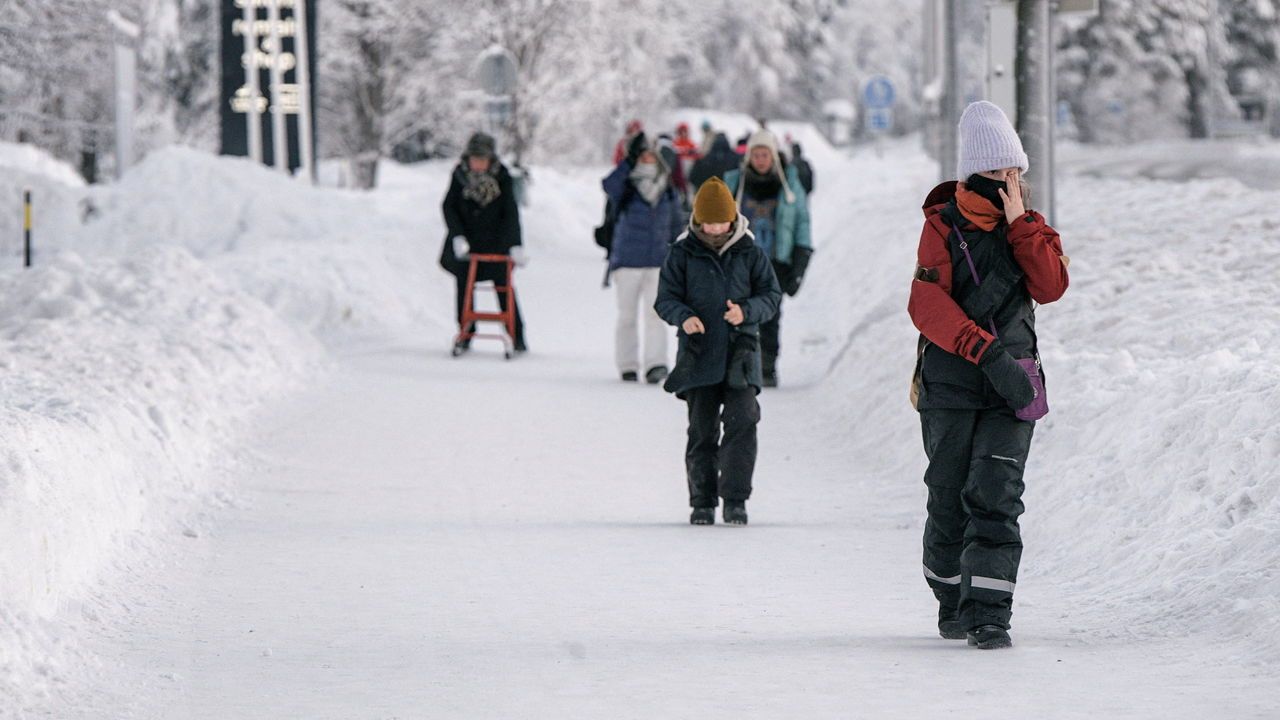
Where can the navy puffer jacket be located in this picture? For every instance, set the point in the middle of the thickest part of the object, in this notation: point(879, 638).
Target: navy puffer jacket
point(642, 233)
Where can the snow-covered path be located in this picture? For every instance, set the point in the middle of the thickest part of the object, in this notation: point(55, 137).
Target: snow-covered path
point(425, 537)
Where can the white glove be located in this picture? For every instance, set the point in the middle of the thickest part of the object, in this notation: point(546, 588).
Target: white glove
point(461, 249)
point(518, 256)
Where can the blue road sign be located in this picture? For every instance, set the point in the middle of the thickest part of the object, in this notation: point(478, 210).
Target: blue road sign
point(879, 120)
point(878, 93)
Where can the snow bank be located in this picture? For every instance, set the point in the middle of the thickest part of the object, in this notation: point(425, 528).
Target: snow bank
point(327, 260)
point(57, 193)
point(1152, 486)
point(121, 380)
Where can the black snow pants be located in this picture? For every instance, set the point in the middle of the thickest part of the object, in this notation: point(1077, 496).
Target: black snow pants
point(721, 467)
point(498, 275)
point(972, 543)
point(771, 342)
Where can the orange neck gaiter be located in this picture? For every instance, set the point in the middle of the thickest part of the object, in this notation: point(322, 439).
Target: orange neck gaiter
point(977, 209)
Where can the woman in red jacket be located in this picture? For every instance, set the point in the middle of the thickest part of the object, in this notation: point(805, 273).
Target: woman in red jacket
point(984, 262)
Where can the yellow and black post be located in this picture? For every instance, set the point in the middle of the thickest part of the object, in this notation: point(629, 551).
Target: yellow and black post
point(26, 228)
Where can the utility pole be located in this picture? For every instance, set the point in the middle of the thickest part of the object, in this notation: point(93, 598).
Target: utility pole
point(125, 56)
point(949, 156)
point(279, 135)
point(253, 116)
point(1035, 97)
point(302, 48)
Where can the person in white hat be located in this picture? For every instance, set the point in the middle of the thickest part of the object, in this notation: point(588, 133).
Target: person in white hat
point(770, 195)
point(984, 261)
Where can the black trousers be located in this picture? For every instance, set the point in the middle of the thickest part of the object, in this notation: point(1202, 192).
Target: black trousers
point(770, 342)
point(497, 274)
point(716, 466)
point(972, 542)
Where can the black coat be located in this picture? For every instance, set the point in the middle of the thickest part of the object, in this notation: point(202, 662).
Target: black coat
point(490, 229)
point(695, 281)
point(719, 160)
point(1001, 302)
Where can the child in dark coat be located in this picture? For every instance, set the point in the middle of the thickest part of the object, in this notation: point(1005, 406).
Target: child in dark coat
point(718, 287)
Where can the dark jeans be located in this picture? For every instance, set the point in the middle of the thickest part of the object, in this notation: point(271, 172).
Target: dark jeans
point(972, 542)
point(497, 274)
point(721, 467)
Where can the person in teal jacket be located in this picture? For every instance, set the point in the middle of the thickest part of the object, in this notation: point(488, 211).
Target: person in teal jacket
point(771, 197)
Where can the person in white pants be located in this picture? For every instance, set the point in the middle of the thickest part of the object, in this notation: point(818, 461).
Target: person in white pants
point(647, 216)
point(637, 290)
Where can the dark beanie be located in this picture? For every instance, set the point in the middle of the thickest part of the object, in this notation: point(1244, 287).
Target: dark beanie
point(480, 145)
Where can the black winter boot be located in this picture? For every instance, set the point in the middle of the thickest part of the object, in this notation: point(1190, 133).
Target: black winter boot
point(949, 626)
point(656, 374)
point(989, 637)
point(735, 512)
point(703, 516)
point(630, 376)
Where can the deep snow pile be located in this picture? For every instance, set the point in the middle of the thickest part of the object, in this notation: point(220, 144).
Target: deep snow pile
point(160, 313)
point(1152, 485)
point(327, 260)
point(121, 379)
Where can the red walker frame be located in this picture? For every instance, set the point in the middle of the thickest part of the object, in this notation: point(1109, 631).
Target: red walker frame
point(470, 316)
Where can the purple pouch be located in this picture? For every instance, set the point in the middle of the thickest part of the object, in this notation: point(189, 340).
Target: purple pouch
point(1040, 406)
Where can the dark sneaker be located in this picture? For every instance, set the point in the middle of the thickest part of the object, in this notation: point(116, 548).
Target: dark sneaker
point(703, 516)
point(735, 512)
point(771, 379)
point(630, 376)
point(520, 348)
point(461, 347)
point(989, 637)
point(656, 374)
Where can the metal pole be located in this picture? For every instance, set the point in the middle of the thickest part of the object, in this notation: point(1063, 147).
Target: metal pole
point(1035, 124)
point(126, 66)
point(302, 47)
point(1051, 67)
point(250, 61)
point(26, 228)
point(279, 135)
point(950, 155)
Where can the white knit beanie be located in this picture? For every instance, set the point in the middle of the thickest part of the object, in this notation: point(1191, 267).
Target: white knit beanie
point(765, 139)
point(988, 141)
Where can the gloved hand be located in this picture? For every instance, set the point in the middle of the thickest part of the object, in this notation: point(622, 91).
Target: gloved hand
point(799, 264)
point(635, 148)
point(1007, 376)
point(518, 256)
point(461, 249)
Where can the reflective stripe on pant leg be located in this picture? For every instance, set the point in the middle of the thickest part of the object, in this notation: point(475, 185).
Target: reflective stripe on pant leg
point(931, 575)
point(987, 583)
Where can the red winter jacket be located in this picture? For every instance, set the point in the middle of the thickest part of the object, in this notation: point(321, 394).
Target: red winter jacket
point(1036, 248)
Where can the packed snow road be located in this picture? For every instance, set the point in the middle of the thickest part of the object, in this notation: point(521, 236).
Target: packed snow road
point(425, 537)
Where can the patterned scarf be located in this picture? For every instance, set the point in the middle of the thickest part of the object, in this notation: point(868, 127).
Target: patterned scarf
point(482, 187)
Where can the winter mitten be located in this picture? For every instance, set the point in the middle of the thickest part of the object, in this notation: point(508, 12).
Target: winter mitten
point(686, 359)
point(799, 264)
point(518, 256)
point(742, 348)
point(1007, 376)
point(461, 249)
point(635, 148)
